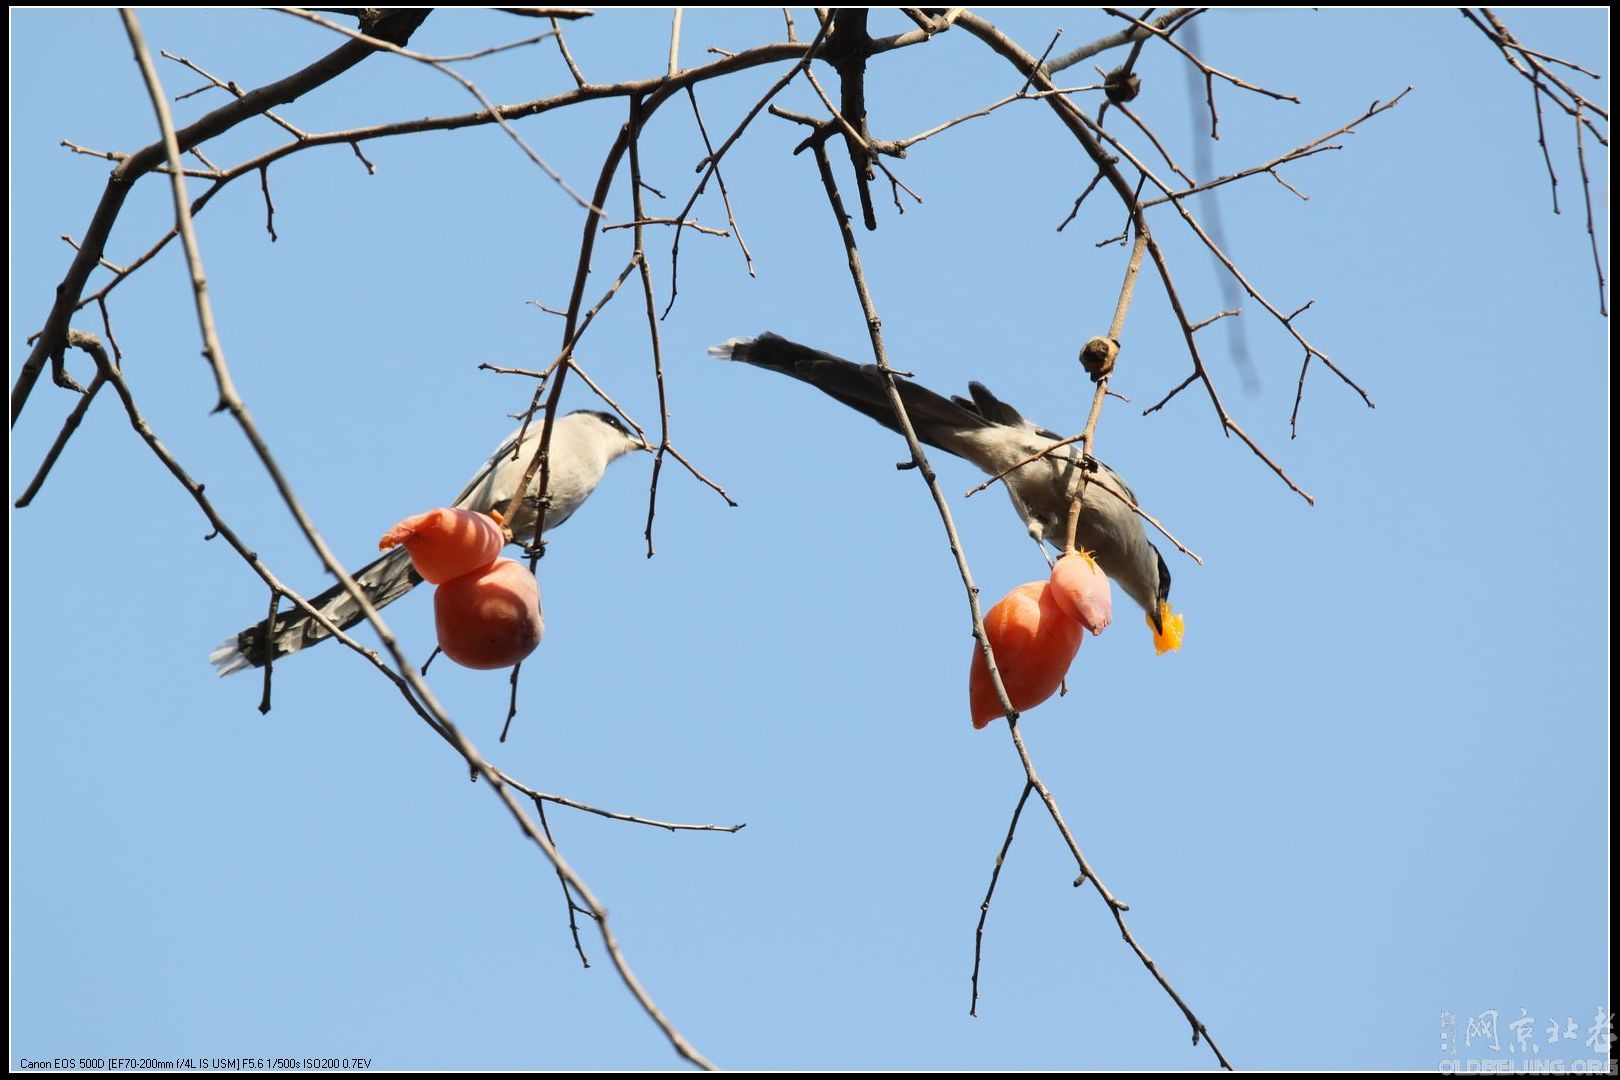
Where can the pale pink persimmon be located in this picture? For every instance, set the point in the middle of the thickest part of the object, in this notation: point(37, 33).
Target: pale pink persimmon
point(1083, 591)
point(445, 543)
point(489, 618)
point(1034, 642)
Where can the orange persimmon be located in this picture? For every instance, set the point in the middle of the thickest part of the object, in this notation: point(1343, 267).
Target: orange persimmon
point(1034, 640)
point(1083, 590)
point(489, 618)
point(445, 543)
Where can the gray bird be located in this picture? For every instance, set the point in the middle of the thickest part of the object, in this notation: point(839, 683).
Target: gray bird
point(585, 444)
point(994, 436)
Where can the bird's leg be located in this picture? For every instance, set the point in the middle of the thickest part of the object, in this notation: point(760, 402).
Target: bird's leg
point(536, 547)
point(1040, 545)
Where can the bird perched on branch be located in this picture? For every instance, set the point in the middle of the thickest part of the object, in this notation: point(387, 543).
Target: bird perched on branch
point(993, 435)
point(585, 444)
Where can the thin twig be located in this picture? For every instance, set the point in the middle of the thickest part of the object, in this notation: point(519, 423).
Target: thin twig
point(711, 162)
point(560, 800)
point(269, 203)
point(707, 230)
point(984, 908)
point(568, 57)
point(1124, 37)
point(693, 469)
point(103, 263)
point(633, 129)
point(512, 701)
point(1315, 146)
point(1154, 139)
point(1022, 90)
point(478, 54)
point(69, 426)
point(675, 43)
point(568, 894)
point(106, 326)
point(1131, 505)
point(269, 653)
point(1075, 209)
point(1591, 232)
point(1009, 470)
point(114, 155)
point(230, 88)
point(720, 179)
point(465, 83)
point(1541, 140)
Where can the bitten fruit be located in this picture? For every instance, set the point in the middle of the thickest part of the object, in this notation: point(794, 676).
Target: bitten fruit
point(1034, 640)
point(489, 618)
point(1082, 590)
point(445, 544)
point(1175, 627)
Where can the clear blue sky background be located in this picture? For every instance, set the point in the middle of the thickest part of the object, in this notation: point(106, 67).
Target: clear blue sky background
point(1373, 787)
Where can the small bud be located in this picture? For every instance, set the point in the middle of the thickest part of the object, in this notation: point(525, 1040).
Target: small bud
point(1122, 86)
point(1097, 357)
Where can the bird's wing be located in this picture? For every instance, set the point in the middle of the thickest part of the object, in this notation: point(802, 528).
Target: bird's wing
point(1117, 481)
point(502, 455)
point(993, 408)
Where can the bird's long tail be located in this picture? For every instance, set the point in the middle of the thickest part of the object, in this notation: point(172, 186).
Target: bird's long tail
point(938, 421)
point(384, 581)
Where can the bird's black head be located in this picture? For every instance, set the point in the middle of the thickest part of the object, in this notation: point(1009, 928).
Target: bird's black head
point(607, 418)
point(615, 423)
point(1164, 591)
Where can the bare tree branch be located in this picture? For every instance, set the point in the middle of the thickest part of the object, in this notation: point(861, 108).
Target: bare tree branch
point(53, 337)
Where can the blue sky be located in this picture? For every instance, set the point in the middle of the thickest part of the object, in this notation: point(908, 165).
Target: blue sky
point(1371, 790)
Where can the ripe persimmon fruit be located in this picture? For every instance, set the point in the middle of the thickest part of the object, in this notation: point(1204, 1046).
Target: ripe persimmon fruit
point(489, 618)
point(1083, 590)
point(1034, 640)
point(445, 544)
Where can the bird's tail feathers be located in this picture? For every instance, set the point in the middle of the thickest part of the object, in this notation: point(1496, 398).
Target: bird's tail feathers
point(384, 580)
point(727, 349)
point(938, 421)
